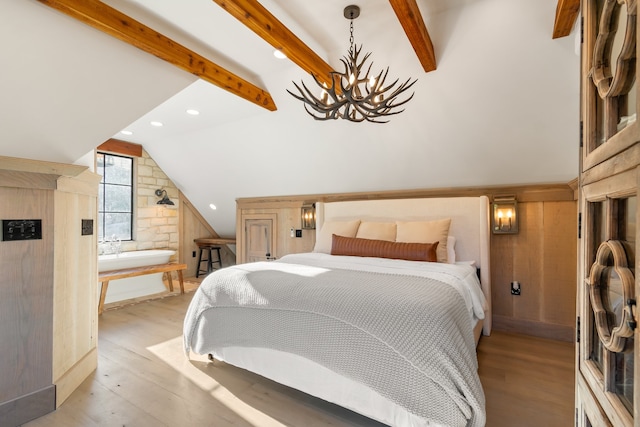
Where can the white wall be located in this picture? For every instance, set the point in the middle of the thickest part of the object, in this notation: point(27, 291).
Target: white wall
point(66, 87)
point(502, 108)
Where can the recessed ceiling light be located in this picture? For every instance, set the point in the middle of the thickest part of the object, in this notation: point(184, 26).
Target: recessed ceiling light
point(212, 206)
point(126, 132)
point(157, 124)
point(193, 112)
point(279, 54)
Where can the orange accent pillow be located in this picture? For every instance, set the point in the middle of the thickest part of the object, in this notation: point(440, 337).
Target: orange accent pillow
point(352, 246)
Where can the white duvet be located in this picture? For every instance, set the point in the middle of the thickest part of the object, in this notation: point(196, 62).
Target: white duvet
point(385, 332)
point(462, 275)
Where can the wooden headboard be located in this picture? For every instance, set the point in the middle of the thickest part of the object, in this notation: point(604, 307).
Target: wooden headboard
point(469, 225)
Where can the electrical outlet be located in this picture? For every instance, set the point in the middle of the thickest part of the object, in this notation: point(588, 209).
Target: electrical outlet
point(193, 254)
point(515, 288)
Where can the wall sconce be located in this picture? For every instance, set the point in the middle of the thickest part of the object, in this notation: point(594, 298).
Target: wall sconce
point(505, 215)
point(165, 199)
point(309, 216)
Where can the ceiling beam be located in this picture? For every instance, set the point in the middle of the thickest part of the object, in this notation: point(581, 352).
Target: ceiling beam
point(115, 23)
point(121, 147)
point(410, 17)
point(566, 14)
point(258, 19)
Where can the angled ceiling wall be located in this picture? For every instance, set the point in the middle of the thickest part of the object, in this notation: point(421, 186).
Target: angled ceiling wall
point(502, 107)
point(67, 87)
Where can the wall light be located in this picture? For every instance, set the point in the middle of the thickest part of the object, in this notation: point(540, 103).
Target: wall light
point(165, 199)
point(505, 215)
point(308, 216)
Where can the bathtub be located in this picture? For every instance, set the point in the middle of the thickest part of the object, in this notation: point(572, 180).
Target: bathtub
point(134, 287)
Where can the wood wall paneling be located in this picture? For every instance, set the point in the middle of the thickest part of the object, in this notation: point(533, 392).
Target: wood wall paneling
point(502, 255)
point(527, 265)
point(194, 226)
point(524, 193)
point(561, 240)
point(293, 218)
point(542, 257)
point(26, 291)
point(75, 322)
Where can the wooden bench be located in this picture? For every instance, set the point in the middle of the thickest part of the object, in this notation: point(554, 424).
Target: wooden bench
point(105, 276)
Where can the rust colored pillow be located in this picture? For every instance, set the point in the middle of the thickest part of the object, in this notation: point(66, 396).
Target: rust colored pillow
point(353, 246)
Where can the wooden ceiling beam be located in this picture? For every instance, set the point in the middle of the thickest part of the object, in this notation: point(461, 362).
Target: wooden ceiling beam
point(258, 19)
point(117, 24)
point(566, 15)
point(410, 17)
point(121, 147)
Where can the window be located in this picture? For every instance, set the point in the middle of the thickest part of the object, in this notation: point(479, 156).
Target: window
point(115, 197)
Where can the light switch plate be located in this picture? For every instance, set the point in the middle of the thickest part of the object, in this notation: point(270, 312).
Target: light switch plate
point(21, 229)
point(87, 227)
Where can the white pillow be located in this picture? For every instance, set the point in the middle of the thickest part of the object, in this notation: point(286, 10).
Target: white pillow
point(451, 250)
point(340, 228)
point(426, 232)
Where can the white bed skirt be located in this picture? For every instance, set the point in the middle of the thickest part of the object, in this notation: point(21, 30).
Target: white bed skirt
point(312, 378)
point(309, 377)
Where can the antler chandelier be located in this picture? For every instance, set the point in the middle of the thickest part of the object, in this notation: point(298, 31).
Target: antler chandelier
point(350, 95)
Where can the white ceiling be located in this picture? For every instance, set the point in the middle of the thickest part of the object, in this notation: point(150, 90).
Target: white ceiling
point(502, 107)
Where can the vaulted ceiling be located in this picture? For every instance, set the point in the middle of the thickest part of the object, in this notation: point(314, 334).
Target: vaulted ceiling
point(496, 100)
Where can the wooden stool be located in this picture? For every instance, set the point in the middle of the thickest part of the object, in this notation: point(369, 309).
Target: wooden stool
point(209, 260)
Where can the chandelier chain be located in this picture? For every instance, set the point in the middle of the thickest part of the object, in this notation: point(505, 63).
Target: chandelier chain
point(351, 39)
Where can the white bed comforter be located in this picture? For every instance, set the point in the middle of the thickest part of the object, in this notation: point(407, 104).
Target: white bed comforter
point(402, 328)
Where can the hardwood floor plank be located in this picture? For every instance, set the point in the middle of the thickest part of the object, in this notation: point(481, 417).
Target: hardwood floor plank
point(145, 379)
point(528, 381)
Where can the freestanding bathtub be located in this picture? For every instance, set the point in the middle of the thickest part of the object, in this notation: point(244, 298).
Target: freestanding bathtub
point(134, 287)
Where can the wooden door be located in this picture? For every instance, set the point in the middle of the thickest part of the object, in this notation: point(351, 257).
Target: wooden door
point(607, 349)
point(259, 237)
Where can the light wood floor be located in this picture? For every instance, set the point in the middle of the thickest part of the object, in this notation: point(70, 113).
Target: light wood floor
point(143, 379)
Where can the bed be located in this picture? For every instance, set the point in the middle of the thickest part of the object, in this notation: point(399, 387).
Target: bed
point(392, 339)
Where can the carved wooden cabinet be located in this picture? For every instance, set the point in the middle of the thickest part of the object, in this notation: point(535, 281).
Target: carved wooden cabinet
point(607, 350)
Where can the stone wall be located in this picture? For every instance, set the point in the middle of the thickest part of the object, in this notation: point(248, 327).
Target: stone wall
point(156, 225)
